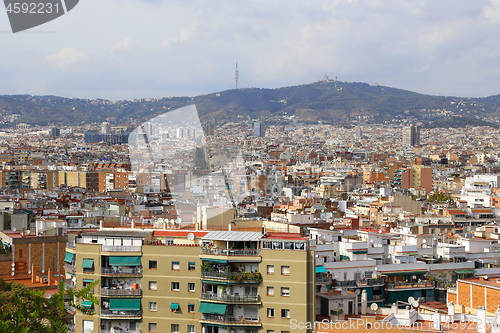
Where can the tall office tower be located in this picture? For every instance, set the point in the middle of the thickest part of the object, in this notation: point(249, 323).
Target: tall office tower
point(411, 135)
point(105, 128)
point(210, 129)
point(180, 133)
point(236, 74)
point(55, 132)
point(148, 127)
point(259, 130)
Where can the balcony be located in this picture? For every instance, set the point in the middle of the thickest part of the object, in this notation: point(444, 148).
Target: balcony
point(117, 270)
point(120, 292)
point(371, 282)
point(323, 279)
point(69, 268)
point(230, 320)
point(120, 314)
point(239, 277)
point(346, 284)
point(410, 285)
point(230, 298)
point(445, 285)
point(226, 252)
point(112, 330)
point(120, 248)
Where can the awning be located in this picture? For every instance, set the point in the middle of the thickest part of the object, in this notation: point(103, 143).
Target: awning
point(124, 304)
point(360, 252)
point(88, 280)
point(465, 271)
point(217, 261)
point(174, 306)
point(125, 261)
point(69, 257)
point(321, 269)
point(87, 304)
point(404, 273)
point(88, 263)
point(212, 308)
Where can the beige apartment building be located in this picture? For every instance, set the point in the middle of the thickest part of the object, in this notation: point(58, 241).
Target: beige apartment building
point(194, 282)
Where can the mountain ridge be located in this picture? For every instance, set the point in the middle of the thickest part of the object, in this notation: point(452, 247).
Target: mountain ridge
point(326, 101)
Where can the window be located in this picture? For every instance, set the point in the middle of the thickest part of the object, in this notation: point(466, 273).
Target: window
point(270, 312)
point(191, 308)
point(174, 328)
point(270, 269)
point(285, 313)
point(191, 287)
point(175, 286)
point(270, 331)
point(152, 327)
point(285, 270)
point(190, 328)
point(266, 244)
point(152, 306)
point(270, 291)
point(176, 265)
point(285, 291)
point(153, 264)
point(153, 285)
point(191, 267)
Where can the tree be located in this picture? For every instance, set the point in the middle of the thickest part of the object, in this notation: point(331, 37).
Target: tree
point(23, 310)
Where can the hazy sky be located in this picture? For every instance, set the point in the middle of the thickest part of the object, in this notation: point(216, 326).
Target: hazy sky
point(125, 49)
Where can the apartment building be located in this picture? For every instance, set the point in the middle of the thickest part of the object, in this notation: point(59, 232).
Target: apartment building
point(200, 281)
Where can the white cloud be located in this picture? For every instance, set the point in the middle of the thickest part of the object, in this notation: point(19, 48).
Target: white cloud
point(64, 58)
point(122, 46)
point(185, 35)
point(492, 12)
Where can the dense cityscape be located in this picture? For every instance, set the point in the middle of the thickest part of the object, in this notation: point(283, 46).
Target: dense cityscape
point(189, 227)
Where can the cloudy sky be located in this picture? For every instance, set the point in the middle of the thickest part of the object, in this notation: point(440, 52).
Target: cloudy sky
point(125, 49)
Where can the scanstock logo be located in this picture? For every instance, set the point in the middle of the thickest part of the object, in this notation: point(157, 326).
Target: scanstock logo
point(26, 14)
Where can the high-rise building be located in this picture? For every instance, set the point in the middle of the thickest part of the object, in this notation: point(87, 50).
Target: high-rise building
point(411, 135)
point(55, 132)
point(210, 129)
point(105, 128)
point(259, 130)
point(210, 282)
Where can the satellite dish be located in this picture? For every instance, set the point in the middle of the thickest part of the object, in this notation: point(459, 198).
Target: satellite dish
point(380, 231)
point(374, 307)
point(358, 291)
point(204, 208)
point(14, 229)
point(411, 300)
point(415, 304)
point(331, 227)
point(341, 231)
point(47, 296)
point(160, 220)
point(28, 232)
point(424, 246)
point(178, 221)
point(190, 236)
point(424, 241)
point(387, 225)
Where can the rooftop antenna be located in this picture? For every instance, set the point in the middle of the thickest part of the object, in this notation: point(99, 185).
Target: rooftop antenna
point(236, 73)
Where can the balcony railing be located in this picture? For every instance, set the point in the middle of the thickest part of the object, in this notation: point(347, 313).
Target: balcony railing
point(350, 283)
point(121, 270)
point(114, 330)
point(323, 279)
point(445, 285)
point(370, 282)
point(120, 248)
point(409, 285)
point(230, 298)
point(69, 268)
point(109, 313)
point(120, 292)
point(231, 276)
point(230, 319)
point(227, 252)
